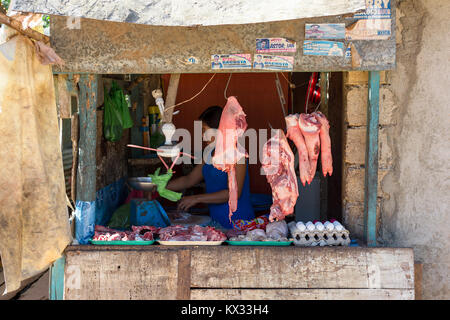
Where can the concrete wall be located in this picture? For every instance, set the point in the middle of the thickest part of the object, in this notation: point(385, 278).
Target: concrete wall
point(414, 191)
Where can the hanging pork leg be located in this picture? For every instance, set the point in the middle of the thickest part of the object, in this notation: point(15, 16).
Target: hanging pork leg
point(325, 144)
point(310, 128)
point(294, 133)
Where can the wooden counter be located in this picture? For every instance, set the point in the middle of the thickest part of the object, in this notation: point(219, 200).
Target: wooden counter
point(227, 272)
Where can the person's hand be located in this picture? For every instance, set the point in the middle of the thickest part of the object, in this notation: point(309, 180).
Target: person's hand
point(187, 202)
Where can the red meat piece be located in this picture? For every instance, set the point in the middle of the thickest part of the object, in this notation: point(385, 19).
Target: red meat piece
point(228, 151)
point(278, 165)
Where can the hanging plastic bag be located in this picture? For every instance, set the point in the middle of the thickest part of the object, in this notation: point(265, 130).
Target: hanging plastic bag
point(112, 122)
point(118, 97)
point(117, 115)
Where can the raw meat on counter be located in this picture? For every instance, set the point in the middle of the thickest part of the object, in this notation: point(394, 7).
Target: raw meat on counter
point(190, 233)
point(325, 144)
point(138, 233)
point(294, 133)
point(275, 231)
point(310, 128)
point(278, 165)
point(228, 151)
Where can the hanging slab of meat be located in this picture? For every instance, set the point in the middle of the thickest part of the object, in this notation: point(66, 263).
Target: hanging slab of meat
point(228, 152)
point(325, 144)
point(278, 165)
point(294, 133)
point(310, 128)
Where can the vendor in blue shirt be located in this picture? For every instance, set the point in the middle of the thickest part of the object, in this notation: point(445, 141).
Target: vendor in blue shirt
point(216, 196)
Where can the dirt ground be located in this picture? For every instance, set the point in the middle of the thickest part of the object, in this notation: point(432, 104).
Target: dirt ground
point(35, 288)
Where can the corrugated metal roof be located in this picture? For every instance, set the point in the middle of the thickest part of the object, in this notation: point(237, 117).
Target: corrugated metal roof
point(190, 12)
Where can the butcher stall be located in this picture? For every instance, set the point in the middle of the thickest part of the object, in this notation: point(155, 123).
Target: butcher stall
point(134, 74)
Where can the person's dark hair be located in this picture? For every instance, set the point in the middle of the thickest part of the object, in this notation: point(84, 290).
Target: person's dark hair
point(211, 116)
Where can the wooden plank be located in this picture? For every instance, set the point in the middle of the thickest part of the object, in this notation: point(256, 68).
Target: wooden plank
point(141, 49)
point(87, 102)
point(171, 96)
point(121, 274)
point(184, 275)
point(57, 279)
point(418, 268)
point(74, 136)
point(291, 267)
point(371, 162)
point(302, 294)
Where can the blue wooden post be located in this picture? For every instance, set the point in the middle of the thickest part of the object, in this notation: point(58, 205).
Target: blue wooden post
point(87, 105)
point(371, 164)
point(87, 168)
point(57, 279)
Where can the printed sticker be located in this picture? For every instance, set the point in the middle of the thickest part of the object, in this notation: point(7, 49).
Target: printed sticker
point(373, 24)
point(375, 9)
point(323, 48)
point(325, 31)
point(231, 61)
point(268, 45)
point(269, 62)
point(369, 29)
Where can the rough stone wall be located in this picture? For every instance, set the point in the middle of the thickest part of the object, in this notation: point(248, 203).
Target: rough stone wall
point(414, 190)
point(354, 147)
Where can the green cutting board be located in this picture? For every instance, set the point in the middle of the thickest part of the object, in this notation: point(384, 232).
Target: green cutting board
point(122, 243)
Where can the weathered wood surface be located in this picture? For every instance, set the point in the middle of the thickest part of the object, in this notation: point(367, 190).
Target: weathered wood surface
point(87, 105)
point(302, 294)
point(418, 275)
point(115, 47)
point(190, 12)
point(371, 160)
point(251, 267)
point(122, 275)
point(225, 272)
point(171, 97)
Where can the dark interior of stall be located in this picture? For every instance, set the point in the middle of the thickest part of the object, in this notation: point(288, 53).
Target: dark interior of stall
point(263, 104)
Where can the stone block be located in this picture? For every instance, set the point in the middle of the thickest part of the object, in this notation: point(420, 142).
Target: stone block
point(353, 184)
point(355, 147)
point(353, 219)
point(361, 77)
point(356, 106)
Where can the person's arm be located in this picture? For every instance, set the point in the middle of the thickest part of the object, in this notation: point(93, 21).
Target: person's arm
point(221, 196)
point(181, 183)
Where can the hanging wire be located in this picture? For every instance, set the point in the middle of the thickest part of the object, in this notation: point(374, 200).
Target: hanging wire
point(307, 99)
point(226, 87)
point(280, 94)
point(293, 85)
point(183, 102)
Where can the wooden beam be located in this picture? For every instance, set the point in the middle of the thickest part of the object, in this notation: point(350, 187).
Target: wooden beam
point(17, 25)
point(171, 96)
point(87, 102)
point(74, 136)
point(418, 267)
point(57, 279)
point(184, 275)
point(371, 163)
point(302, 294)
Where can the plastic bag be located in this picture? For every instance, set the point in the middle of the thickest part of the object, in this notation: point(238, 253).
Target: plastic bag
point(118, 97)
point(161, 183)
point(277, 230)
point(121, 218)
point(117, 116)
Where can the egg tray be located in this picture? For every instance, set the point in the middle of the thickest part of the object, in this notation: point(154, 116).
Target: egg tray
point(313, 238)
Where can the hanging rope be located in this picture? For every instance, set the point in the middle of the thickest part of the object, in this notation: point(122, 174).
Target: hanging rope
point(226, 87)
point(183, 102)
